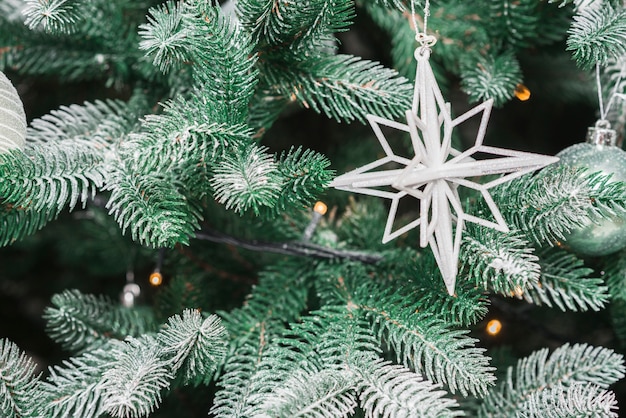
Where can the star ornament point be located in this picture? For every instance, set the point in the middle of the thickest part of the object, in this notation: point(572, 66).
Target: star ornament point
point(435, 173)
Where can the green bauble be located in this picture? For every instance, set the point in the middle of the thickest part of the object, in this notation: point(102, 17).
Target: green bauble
point(609, 235)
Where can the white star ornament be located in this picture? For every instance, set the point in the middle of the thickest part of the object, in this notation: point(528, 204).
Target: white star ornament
point(436, 171)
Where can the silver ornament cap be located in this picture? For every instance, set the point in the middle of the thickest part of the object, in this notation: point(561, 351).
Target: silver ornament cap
point(601, 134)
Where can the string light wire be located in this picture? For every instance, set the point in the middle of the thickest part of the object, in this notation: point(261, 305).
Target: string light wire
point(304, 249)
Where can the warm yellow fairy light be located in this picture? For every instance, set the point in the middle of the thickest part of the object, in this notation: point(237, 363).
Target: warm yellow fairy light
point(494, 327)
point(156, 279)
point(320, 207)
point(522, 92)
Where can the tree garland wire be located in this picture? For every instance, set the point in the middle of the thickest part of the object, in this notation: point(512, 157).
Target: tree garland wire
point(303, 249)
point(289, 248)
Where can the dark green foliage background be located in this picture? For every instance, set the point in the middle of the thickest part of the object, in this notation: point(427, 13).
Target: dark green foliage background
point(85, 249)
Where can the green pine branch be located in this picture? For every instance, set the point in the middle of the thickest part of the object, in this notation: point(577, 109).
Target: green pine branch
point(394, 21)
point(553, 21)
point(17, 381)
point(80, 48)
point(461, 27)
point(399, 4)
point(427, 344)
point(537, 375)
point(565, 283)
point(63, 163)
point(324, 393)
point(559, 199)
point(280, 296)
point(304, 175)
point(265, 108)
point(247, 179)
point(283, 25)
point(38, 184)
point(98, 123)
point(583, 400)
point(317, 29)
point(597, 35)
point(127, 379)
point(235, 394)
point(500, 262)
point(48, 177)
point(491, 77)
point(243, 177)
point(194, 344)
point(220, 53)
point(321, 349)
point(75, 388)
point(184, 291)
point(81, 322)
point(615, 277)
point(418, 282)
point(157, 214)
point(342, 87)
point(389, 390)
point(54, 15)
point(517, 20)
point(132, 385)
point(467, 307)
point(580, 4)
point(181, 138)
point(16, 223)
point(165, 38)
point(358, 226)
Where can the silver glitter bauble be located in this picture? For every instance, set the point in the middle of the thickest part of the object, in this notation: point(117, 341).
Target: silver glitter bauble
point(598, 154)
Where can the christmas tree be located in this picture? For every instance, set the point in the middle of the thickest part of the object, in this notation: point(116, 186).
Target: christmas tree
point(174, 206)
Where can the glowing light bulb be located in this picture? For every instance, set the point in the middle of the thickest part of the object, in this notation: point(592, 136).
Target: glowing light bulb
point(494, 327)
point(319, 210)
point(320, 207)
point(517, 292)
point(522, 92)
point(156, 279)
point(130, 292)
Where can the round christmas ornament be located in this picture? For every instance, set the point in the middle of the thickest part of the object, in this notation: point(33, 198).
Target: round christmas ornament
point(598, 154)
point(12, 117)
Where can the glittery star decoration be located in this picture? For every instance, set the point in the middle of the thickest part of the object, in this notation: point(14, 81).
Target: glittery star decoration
point(437, 170)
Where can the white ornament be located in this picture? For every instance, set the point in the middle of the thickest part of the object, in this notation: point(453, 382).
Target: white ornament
point(12, 117)
point(437, 170)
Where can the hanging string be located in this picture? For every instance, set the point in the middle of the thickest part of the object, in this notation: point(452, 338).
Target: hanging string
point(426, 14)
point(414, 16)
point(422, 37)
point(604, 112)
point(599, 87)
